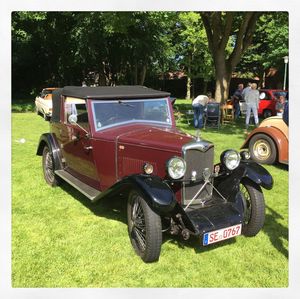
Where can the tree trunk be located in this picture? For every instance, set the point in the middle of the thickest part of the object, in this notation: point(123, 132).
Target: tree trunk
point(222, 87)
point(188, 80)
point(223, 78)
point(188, 87)
point(218, 27)
point(143, 74)
point(135, 74)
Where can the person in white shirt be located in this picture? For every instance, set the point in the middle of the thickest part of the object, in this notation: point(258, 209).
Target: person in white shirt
point(252, 102)
point(199, 104)
point(246, 89)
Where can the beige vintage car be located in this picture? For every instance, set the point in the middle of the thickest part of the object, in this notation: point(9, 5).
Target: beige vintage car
point(269, 142)
point(43, 103)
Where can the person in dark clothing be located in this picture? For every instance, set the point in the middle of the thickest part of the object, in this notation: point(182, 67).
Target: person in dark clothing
point(237, 97)
point(285, 115)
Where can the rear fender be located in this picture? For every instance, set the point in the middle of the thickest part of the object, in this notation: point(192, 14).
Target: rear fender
point(47, 139)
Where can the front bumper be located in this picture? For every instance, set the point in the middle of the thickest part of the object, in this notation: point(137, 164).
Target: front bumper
point(213, 218)
point(215, 214)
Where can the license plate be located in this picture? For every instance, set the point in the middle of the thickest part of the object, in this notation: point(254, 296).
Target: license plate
point(222, 234)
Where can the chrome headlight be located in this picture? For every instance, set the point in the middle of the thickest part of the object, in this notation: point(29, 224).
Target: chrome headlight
point(231, 159)
point(245, 155)
point(176, 168)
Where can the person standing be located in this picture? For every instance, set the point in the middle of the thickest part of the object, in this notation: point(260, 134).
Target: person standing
point(285, 115)
point(237, 97)
point(246, 89)
point(280, 105)
point(252, 102)
point(199, 104)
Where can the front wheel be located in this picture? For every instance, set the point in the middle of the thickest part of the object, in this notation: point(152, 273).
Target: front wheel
point(144, 228)
point(254, 207)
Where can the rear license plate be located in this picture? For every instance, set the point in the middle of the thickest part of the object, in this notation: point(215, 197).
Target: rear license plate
point(222, 234)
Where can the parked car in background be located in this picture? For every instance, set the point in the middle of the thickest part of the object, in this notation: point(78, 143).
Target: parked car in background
point(268, 99)
point(43, 103)
point(269, 142)
point(121, 142)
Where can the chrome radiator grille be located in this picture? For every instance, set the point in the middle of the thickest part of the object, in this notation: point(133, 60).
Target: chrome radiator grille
point(197, 159)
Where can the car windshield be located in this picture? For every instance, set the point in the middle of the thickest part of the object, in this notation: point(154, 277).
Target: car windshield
point(113, 113)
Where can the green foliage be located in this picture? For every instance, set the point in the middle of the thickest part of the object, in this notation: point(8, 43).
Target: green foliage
point(269, 45)
point(60, 239)
point(107, 48)
point(192, 46)
point(64, 48)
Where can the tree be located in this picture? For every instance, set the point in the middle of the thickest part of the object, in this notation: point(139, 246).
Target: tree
point(191, 48)
point(229, 35)
point(269, 46)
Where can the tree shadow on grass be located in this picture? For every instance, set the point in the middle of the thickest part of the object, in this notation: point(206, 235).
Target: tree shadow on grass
point(276, 231)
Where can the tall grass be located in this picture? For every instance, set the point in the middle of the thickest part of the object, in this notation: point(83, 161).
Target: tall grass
point(60, 239)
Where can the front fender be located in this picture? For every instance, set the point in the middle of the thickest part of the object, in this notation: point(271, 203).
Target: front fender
point(228, 185)
point(257, 174)
point(158, 195)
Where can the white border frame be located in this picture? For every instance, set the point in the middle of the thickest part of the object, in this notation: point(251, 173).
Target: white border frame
point(7, 7)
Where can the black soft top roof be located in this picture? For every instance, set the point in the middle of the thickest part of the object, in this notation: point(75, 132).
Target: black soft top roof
point(103, 93)
point(113, 92)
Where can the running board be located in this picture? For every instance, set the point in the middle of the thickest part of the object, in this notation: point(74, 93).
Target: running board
point(90, 192)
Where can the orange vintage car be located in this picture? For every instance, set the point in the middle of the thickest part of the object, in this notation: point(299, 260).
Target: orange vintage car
point(269, 142)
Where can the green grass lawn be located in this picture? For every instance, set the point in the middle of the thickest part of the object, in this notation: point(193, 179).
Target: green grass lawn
point(60, 239)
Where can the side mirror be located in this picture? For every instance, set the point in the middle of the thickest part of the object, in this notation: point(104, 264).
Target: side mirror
point(262, 95)
point(72, 119)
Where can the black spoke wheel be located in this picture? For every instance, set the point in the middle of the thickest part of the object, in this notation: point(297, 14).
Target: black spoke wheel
point(254, 208)
point(48, 168)
point(144, 228)
point(262, 149)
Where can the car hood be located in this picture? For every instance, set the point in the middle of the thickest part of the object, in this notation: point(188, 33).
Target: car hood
point(154, 137)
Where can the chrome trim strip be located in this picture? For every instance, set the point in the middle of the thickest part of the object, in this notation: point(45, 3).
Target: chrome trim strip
point(201, 145)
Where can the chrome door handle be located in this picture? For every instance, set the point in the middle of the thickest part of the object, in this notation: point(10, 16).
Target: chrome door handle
point(88, 148)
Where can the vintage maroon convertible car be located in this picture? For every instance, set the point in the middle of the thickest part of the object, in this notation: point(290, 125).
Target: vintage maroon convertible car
point(123, 141)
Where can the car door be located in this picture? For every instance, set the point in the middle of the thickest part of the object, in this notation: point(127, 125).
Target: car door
point(77, 144)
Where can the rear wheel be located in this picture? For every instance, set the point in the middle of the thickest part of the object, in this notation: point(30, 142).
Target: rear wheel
point(144, 228)
point(48, 168)
point(262, 149)
point(254, 208)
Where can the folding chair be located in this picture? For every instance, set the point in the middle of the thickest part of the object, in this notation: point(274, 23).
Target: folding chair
point(227, 113)
point(212, 116)
point(189, 115)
